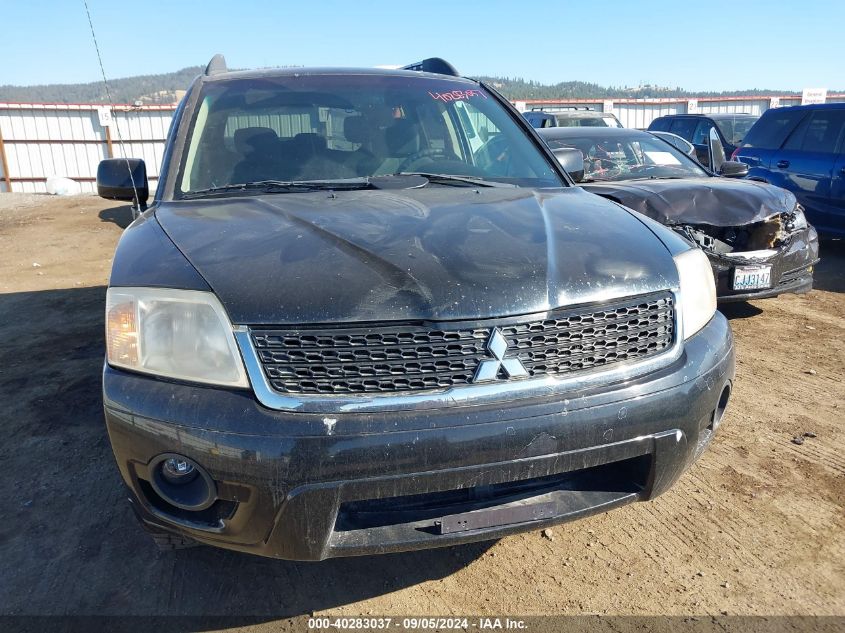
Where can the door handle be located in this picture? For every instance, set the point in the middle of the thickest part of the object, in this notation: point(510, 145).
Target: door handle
point(842, 171)
point(783, 164)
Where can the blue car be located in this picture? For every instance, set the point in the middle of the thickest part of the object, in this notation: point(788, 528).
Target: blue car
point(802, 149)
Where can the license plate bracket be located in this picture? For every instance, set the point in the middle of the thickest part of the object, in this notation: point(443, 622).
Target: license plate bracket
point(495, 517)
point(752, 277)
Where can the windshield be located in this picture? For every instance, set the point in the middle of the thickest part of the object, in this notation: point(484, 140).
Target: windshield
point(353, 128)
point(629, 158)
point(734, 130)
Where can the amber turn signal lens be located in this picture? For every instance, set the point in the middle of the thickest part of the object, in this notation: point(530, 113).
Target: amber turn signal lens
point(122, 334)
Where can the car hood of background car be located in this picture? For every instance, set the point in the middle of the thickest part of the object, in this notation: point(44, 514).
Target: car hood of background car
point(715, 201)
point(434, 253)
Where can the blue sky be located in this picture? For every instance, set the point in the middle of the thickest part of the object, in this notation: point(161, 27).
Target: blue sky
point(776, 44)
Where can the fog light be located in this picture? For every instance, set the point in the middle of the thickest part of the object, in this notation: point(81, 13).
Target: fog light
point(178, 471)
point(181, 482)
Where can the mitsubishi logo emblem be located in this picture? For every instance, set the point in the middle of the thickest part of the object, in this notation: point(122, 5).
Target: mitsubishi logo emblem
point(488, 370)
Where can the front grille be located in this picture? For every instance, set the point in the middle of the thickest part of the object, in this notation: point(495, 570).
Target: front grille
point(416, 357)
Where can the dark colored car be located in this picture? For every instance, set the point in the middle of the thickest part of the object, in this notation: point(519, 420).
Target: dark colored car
point(754, 234)
point(695, 128)
point(367, 312)
point(802, 149)
point(573, 117)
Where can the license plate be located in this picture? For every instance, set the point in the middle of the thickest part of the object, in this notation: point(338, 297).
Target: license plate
point(752, 277)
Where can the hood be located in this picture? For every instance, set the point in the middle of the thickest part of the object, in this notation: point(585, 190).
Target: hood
point(715, 201)
point(435, 253)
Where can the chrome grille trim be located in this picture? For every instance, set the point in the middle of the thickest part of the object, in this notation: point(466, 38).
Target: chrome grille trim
point(466, 394)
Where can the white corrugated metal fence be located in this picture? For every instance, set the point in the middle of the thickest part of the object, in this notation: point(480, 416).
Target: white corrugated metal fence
point(39, 140)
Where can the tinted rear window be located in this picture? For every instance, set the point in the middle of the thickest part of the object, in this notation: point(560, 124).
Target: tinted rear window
point(684, 128)
point(772, 129)
point(735, 129)
point(661, 124)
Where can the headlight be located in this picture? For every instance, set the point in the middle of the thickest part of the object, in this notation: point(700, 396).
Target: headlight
point(698, 290)
point(182, 334)
point(799, 220)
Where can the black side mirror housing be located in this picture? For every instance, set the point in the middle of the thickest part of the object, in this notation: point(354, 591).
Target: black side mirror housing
point(115, 177)
point(572, 161)
point(733, 169)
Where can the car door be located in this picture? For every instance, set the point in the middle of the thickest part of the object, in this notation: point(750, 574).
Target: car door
point(701, 139)
point(836, 219)
point(765, 137)
point(805, 164)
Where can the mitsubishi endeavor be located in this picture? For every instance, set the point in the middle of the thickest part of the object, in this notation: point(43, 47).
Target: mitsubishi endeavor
point(367, 311)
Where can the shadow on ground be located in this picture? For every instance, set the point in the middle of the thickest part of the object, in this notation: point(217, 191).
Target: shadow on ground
point(122, 216)
point(739, 310)
point(69, 542)
point(830, 271)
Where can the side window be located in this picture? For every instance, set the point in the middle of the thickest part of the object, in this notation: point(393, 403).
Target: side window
point(796, 137)
point(702, 132)
point(823, 131)
point(684, 127)
point(819, 132)
point(483, 129)
point(773, 128)
point(660, 125)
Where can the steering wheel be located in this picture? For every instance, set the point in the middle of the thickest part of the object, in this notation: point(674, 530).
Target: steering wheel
point(494, 155)
point(611, 170)
point(419, 155)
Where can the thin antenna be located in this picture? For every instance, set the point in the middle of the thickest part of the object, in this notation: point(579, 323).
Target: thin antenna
point(111, 106)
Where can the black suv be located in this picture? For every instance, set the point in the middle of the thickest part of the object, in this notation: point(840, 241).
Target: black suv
point(367, 311)
point(695, 128)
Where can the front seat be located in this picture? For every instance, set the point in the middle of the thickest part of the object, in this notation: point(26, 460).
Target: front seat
point(364, 132)
point(259, 148)
point(403, 140)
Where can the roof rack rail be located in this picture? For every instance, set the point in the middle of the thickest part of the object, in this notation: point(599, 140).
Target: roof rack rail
point(434, 65)
point(216, 66)
point(562, 108)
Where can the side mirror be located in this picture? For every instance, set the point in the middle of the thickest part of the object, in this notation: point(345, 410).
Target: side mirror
point(716, 151)
point(572, 161)
point(115, 177)
point(733, 169)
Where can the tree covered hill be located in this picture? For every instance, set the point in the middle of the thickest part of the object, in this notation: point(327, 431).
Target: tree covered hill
point(167, 87)
point(147, 88)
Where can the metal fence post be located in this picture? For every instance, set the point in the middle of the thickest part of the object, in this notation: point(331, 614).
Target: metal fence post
point(4, 164)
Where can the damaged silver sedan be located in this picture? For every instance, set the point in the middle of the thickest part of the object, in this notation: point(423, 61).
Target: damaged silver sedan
point(755, 235)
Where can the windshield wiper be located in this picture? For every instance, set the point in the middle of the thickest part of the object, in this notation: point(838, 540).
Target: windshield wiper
point(450, 179)
point(282, 186)
point(662, 178)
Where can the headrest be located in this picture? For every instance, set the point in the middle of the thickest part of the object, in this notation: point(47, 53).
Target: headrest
point(308, 141)
point(248, 139)
point(403, 138)
point(356, 129)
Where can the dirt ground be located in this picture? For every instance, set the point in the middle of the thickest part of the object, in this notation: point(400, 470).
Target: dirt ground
point(756, 527)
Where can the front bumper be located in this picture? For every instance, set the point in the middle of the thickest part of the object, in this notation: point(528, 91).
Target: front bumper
point(792, 269)
point(308, 486)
